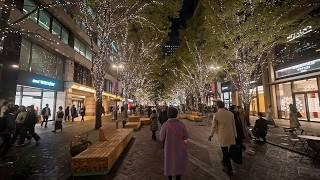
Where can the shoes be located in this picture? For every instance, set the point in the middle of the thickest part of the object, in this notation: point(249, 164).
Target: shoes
point(54, 131)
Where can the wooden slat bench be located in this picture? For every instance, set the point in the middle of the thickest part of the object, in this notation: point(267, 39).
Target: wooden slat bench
point(145, 121)
point(133, 125)
point(99, 158)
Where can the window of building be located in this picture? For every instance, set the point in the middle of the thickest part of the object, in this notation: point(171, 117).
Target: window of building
point(88, 54)
point(82, 75)
point(284, 98)
point(56, 28)
point(40, 61)
point(79, 47)
point(28, 6)
point(44, 19)
point(25, 55)
point(65, 36)
point(305, 85)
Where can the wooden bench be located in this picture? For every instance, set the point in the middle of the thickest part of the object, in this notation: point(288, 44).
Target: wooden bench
point(292, 130)
point(133, 119)
point(145, 121)
point(99, 158)
point(133, 125)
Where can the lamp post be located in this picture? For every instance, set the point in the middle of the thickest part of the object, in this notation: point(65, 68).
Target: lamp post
point(117, 67)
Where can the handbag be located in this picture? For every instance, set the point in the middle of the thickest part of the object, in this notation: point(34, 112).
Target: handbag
point(236, 153)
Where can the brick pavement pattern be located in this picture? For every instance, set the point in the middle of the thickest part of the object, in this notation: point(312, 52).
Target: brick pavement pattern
point(143, 159)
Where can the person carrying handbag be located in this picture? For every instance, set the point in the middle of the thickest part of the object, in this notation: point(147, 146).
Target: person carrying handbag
point(174, 135)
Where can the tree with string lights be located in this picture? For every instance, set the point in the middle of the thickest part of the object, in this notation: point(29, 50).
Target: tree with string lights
point(242, 35)
point(105, 20)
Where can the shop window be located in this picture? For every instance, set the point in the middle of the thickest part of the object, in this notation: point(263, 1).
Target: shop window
point(65, 36)
point(44, 19)
point(25, 55)
point(56, 28)
point(28, 6)
point(284, 98)
point(305, 85)
point(79, 47)
point(88, 54)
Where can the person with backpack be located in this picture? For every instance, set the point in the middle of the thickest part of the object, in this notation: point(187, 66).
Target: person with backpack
point(7, 129)
point(46, 113)
point(174, 136)
point(58, 121)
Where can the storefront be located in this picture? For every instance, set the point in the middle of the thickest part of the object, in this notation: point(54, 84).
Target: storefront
point(299, 86)
point(258, 101)
point(226, 94)
point(38, 90)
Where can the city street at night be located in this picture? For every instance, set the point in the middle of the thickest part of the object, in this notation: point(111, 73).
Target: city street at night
point(161, 89)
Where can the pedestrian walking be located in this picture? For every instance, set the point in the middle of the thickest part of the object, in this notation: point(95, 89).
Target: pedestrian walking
point(74, 113)
point(67, 114)
point(7, 128)
point(82, 113)
point(225, 128)
point(154, 124)
point(21, 117)
point(293, 117)
point(46, 113)
point(28, 128)
point(149, 111)
point(269, 117)
point(58, 121)
point(239, 128)
point(3, 108)
point(174, 135)
point(163, 115)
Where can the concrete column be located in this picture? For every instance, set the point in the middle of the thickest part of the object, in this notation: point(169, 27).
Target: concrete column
point(90, 104)
point(68, 70)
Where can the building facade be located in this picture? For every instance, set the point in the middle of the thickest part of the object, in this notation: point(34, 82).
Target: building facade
point(52, 67)
point(295, 81)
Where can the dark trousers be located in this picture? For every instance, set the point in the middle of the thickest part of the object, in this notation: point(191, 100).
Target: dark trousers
point(67, 117)
point(154, 135)
point(28, 132)
point(177, 177)
point(45, 119)
point(6, 144)
point(18, 132)
point(82, 117)
point(226, 158)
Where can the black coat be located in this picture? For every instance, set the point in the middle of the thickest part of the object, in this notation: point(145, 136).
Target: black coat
point(31, 118)
point(240, 134)
point(261, 127)
point(163, 116)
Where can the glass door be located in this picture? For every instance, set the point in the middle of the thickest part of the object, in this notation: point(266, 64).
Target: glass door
point(301, 105)
point(313, 106)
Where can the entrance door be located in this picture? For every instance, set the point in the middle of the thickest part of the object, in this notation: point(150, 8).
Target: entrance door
point(308, 105)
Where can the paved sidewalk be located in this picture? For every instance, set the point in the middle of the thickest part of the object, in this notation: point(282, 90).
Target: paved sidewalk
point(143, 160)
point(51, 158)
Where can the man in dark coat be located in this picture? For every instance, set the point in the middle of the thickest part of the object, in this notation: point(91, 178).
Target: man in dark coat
point(163, 115)
point(29, 125)
point(8, 127)
point(45, 112)
point(260, 128)
point(74, 113)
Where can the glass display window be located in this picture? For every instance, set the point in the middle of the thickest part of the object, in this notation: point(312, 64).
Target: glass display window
point(284, 98)
point(305, 85)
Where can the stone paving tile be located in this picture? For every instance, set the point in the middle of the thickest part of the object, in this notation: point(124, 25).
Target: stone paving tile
point(143, 159)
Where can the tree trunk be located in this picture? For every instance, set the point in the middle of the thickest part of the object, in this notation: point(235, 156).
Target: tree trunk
point(126, 108)
point(98, 110)
point(247, 113)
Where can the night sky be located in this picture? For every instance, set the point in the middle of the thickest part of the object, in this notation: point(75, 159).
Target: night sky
point(185, 13)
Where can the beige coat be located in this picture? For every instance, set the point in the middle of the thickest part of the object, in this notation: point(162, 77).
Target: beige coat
point(225, 128)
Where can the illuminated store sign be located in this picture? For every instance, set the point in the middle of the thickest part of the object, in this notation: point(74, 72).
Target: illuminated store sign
point(42, 82)
point(300, 68)
point(302, 32)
